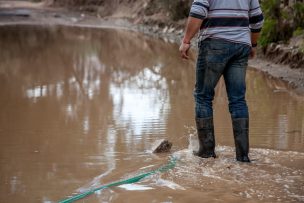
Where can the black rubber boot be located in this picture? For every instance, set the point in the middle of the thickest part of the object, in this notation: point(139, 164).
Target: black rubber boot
point(241, 139)
point(205, 132)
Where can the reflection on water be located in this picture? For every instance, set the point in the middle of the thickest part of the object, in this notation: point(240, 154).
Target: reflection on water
point(139, 102)
point(82, 107)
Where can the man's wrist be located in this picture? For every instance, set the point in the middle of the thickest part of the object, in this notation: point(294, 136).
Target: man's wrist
point(254, 45)
point(185, 41)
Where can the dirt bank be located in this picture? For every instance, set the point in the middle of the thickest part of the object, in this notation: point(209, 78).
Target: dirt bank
point(18, 12)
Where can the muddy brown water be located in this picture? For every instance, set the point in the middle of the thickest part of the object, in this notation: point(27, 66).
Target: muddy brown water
point(81, 107)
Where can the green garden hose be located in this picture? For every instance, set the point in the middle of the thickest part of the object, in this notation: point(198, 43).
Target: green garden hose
point(171, 164)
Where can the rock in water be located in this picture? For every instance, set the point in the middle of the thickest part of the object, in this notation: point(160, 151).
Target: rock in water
point(161, 146)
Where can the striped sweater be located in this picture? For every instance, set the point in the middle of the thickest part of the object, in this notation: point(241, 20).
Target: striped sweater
point(231, 20)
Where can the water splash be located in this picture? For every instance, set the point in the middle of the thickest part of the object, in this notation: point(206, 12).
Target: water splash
point(272, 175)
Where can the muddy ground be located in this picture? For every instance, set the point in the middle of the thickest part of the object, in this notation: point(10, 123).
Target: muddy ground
point(20, 12)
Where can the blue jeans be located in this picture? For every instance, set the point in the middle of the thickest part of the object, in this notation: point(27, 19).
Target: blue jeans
point(216, 58)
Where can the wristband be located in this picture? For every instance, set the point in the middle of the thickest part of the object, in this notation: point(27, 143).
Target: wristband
point(254, 45)
point(186, 42)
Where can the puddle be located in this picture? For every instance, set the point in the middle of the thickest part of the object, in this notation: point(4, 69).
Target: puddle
point(81, 107)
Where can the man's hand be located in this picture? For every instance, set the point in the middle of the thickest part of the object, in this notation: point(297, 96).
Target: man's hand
point(254, 41)
point(253, 53)
point(184, 48)
point(193, 25)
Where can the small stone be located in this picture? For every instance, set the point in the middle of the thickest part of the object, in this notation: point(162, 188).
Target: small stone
point(56, 15)
point(74, 20)
point(171, 30)
point(161, 146)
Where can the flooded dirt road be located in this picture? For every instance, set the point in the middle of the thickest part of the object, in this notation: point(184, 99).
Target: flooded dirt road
point(81, 107)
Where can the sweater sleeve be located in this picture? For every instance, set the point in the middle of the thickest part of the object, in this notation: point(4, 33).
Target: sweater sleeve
point(256, 18)
point(199, 9)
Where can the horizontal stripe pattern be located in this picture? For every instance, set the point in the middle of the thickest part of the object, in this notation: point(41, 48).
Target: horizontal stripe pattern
point(229, 9)
point(256, 27)
point(201, 4)
point(199, 9)
point(194, 15)
point(225, 22)
point(232, 20)
point(226, 13)
point(254, 8)
point(235, 34)
point(256, 19)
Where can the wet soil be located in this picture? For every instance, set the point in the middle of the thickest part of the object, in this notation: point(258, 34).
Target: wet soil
point(81, 107)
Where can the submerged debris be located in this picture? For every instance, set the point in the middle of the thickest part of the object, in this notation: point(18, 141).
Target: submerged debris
point(161, 146)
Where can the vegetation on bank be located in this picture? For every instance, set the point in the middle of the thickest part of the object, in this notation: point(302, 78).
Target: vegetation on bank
point(175, 9)
point(283, 20)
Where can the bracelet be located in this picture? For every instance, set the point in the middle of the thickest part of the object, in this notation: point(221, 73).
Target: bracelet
point(186, 42)
point(254, 45)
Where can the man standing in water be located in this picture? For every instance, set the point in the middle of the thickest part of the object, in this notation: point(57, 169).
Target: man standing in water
point(229, 31)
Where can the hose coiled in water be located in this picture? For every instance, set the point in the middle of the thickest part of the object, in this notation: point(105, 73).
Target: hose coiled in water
point(170, 165)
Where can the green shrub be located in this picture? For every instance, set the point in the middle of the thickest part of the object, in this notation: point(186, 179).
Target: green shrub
point(299, 31)
point(299, 14)
point(271, 8)
point(269, 32)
